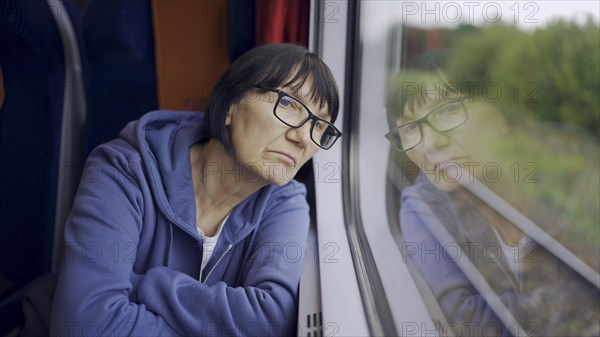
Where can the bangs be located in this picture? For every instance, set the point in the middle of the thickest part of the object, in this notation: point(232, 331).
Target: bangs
point(412, 89)
point(322, 89)
point(300, 71)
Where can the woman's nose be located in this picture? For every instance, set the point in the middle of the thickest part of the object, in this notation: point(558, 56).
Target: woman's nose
point(300, 135)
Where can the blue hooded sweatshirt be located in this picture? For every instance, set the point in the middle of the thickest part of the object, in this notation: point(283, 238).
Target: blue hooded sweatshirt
point(131, 259)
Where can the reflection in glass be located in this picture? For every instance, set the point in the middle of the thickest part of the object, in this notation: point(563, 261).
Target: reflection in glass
point(487, 235)
point(445, 118)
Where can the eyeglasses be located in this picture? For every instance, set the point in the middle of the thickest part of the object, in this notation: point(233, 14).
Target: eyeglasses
point(442, 119)
point(293, 113)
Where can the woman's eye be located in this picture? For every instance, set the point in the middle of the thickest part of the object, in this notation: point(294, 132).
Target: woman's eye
point(450, 114)
point(411, 127)
point(321, 126)
point(286, 102)
point(451, 108)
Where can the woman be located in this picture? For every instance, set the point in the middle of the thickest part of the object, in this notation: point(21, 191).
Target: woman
point(183, 225)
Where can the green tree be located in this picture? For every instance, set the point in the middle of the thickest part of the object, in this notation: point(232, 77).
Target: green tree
point(569, 74)
point(551, 74)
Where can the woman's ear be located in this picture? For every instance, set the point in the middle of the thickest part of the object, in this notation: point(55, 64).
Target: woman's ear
point(229, 115)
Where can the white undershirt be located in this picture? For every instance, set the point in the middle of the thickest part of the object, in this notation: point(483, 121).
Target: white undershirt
point(208, 247)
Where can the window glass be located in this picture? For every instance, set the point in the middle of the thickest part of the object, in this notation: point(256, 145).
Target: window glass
point(493, 113)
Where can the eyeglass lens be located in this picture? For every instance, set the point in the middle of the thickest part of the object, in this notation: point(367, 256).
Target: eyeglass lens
point(442, 119)
point(295, 114)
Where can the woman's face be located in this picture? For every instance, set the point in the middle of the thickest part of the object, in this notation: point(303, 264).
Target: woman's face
point(460, 154)
point(267, 150)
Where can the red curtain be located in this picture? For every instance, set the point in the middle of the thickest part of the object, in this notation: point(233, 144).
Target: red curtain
point(279, 21)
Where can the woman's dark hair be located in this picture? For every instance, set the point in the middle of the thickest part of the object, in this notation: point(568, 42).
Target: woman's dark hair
point(274, 65)
point(421, 76)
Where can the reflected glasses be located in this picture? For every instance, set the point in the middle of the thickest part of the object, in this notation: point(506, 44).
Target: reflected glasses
point(442, 119)
point(293, 113)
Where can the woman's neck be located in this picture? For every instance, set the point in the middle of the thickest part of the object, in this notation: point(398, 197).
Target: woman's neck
point(218, 184)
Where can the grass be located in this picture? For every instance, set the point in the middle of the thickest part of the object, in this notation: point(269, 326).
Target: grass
point(563, 197)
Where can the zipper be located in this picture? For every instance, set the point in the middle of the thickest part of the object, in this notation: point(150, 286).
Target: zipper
point(219, 260)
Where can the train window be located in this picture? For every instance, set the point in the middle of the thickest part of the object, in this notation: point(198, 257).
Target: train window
point(479, 159)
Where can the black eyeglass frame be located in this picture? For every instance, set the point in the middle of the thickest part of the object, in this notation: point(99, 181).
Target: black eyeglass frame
point(425, 120)
point(311, 116)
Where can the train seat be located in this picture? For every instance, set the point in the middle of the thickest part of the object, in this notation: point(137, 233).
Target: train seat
point(32, 63)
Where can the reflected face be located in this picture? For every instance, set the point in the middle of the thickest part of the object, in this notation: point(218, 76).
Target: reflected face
point(267, 150)
point(456, 139)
